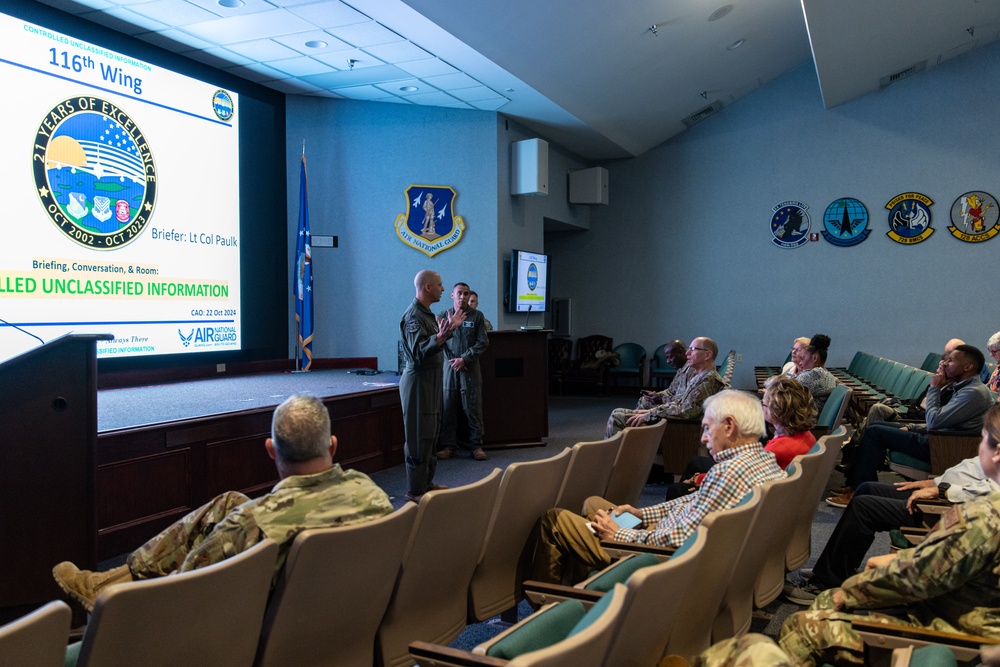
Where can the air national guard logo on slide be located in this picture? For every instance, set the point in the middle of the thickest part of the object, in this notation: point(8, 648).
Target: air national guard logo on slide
point(790, 224)
point(909, 218)
point(94, 173)
point(222, 105)
point(846, 222)
point(433, 225)
point(975, 217)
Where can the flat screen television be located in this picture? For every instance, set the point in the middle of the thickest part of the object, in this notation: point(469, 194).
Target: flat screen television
point(529, 281)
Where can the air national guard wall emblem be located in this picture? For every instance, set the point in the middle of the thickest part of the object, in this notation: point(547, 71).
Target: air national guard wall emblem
point(975, 217)
point(845, 222)
point(430, 224)
point(790, 224)
point(94, 173)
point(909, 218)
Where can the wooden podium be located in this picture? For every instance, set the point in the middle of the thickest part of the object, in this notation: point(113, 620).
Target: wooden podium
point(49, 414)
point(515, 388)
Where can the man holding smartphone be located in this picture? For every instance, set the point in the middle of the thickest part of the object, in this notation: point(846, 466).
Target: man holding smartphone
point(569, 545)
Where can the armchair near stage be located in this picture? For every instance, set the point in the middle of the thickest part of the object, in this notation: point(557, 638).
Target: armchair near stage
point(631, 364)
point(560, 359)
point(594, 358)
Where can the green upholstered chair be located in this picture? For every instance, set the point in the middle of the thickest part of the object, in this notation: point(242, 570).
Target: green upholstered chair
point(631, 364)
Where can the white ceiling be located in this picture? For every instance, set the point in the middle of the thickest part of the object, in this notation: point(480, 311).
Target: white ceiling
point(606, 79)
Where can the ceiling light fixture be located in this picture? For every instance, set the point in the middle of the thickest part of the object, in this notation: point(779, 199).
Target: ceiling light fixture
point(409, 89)
point(316, 44)
point(231, 4)
point(350, 63)
point(653, 28)
point(720, 12)
point(735, 45)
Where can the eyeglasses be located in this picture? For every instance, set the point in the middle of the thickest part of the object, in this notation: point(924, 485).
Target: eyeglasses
point(695, 349)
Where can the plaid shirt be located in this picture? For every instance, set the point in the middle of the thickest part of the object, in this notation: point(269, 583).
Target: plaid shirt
point(736, 472)
point(688, 399)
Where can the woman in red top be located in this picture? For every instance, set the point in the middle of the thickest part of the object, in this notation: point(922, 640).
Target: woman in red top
point(788, 406)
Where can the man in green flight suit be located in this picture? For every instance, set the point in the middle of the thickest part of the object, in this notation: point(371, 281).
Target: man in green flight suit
point(314, 492)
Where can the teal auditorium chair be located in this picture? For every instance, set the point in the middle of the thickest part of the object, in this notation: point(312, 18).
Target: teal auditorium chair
point(882, 638)
point(631, 364)
point(833, 411)
point(931, 362)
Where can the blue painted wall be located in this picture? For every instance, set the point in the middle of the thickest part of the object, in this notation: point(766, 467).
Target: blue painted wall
point(684, 248)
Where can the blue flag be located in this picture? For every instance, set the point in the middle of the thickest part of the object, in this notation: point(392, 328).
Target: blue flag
point(302, 279)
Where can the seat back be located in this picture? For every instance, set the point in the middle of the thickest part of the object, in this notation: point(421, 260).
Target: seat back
point(765, 543)
point(325, 609)
point(855, 362)
point(833, 411)
point(902, 380)
point(692, 631)
point(931, 362)
point(631, 359)
point(770, 577)
point(588, 346)
point(589, 470)
point(210, 616)
point(526, 491)
point(656, 596)
point(816, 468)
point(636, 454)
point(587, 643)
point(430, 600)
point(37, 639)
point(728, 366)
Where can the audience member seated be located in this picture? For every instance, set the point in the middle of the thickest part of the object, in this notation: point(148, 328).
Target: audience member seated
point(880, 507)
point(948, 582)
point(888, 410)
point(791, 369)
point(993, 345)
point(788, 407)
point(731, 428)
point(812, 370)
point(685, 396)
point(313, 492)
point(956, 401)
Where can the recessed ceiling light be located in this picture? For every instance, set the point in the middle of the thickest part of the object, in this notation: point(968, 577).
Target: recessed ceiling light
point(409, 89)
point(720, 12)
point(735, 45)
point(316, 44)
point(231, 4)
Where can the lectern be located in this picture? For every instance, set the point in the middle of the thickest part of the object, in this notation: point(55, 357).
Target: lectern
point(48, 413)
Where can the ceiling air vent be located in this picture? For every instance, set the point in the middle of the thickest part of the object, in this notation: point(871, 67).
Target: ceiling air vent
point(699, 116)
point(902, 74)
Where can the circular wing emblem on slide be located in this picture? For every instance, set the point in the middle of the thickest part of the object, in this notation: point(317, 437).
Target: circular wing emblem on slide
point(532, 277)
point(94, 173)
point(222, 105)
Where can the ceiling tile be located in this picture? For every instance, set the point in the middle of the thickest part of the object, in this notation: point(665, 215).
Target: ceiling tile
point(326, 93)
point(78, 6)
point(427, 67)
point(292, 86)
point(339, 59)
point(123, 20)
point(248, 7)
point(328, 14)
point(365, 34)
point(298, 41)
point(301, 66)
point(436, 98)
point(470, 94)
point(256, 72)
point(173, 12)
point(491, 104)
point(358, 77)
point(263, 49)
point(175, 40)
point(397, 52)
point(452, 81)
point(218, 57)
point(394, 87)
point(364, 93)
point(251, 26)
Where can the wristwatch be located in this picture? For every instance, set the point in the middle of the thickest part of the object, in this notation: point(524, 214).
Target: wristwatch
point(943, 490)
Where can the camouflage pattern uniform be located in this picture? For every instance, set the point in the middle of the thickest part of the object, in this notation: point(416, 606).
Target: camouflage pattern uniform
point(420, 391)
point(684, 399)
point(750, 650)
point(232, 522)
point(948, 583)
point(464, 389)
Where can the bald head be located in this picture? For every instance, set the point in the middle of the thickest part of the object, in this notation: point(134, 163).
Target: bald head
point(952, 344)
point(428, 287)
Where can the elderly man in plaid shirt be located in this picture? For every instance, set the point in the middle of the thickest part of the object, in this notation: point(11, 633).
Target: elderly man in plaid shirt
point(569, 544)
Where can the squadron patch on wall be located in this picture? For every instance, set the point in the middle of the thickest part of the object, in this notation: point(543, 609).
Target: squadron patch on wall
point(909, 218)
point(975, 217)
point(434, 226)
point(790, 224)
point(845, 222)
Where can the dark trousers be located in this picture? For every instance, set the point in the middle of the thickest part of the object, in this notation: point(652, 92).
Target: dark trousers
point(880, 438)
point(875, 507)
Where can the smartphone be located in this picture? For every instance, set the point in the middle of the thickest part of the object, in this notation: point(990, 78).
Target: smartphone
point(626, 520)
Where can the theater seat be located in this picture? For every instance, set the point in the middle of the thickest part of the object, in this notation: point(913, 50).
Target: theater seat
point(38, 639)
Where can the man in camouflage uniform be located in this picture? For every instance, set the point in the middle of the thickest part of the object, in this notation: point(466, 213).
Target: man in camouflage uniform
point(463, 381)
point(948, 582)
point(313, 492)
point(683, 399)
point(420, 386)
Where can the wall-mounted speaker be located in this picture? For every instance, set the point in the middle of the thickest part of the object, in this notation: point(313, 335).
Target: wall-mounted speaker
point(588, 186)
point(529, 167)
